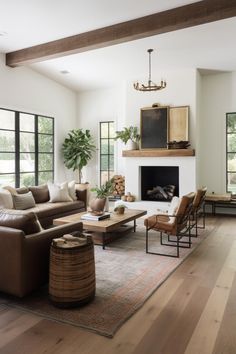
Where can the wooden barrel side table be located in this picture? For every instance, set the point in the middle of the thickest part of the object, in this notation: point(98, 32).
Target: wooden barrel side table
point(72, 274)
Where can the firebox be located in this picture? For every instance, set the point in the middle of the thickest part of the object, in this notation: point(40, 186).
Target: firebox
point(159, 183)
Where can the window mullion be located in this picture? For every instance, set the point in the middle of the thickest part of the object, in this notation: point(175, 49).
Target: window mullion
point(36, 148)
point(17, 149)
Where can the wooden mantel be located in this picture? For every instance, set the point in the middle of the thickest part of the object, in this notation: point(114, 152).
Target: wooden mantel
point(158, 153)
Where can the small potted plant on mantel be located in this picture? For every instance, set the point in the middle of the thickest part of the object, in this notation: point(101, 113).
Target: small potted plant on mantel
point(129, 136)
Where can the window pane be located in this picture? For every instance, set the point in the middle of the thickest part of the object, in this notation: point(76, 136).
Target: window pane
point(45, 143)
point(111, 142)
point(104, 177)
point(45, 162)
point(45, 177)
point(104, 146)
point(104, 162)
point(232, 182)
point(111, 161)
point(7, 119)
point(45, 125)
point(7, 163)
point(27, 148)
point(231, 122)
point(27, 162)
point(27, 179)
point(27, 142)
point(231, 162)
point(27, 122)
point(7, 141)
point(7, 180)
point(112, 133)
point(111, 174)
point(231, 142)
point(104, 130)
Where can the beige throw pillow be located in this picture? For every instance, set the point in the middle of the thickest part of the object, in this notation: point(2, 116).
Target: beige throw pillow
point(23, 201)
point(173, 208)
point(59, 192)
point(72, 192)
point(11, 189)
point(6, 201)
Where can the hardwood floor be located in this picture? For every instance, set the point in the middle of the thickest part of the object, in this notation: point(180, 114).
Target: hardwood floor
point(193, 312)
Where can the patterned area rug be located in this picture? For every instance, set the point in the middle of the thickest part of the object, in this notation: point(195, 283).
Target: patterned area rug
point(125, 278)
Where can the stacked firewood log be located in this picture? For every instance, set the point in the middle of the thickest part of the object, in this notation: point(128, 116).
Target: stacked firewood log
point(119, 185)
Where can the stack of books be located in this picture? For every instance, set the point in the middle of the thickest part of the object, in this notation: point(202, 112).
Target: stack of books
point(89, 216)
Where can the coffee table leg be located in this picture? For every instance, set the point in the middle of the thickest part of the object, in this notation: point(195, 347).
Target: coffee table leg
point(134, 225)
point(103, 240)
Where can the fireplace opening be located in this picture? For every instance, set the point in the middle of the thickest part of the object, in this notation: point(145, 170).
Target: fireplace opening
point(159, 183)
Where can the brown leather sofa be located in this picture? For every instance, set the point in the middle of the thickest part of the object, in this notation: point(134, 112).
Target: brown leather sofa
point(25, 247)
point(46, 211)
point(24, 251)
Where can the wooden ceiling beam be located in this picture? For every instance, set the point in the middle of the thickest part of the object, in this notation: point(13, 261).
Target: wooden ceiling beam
point(162, 22)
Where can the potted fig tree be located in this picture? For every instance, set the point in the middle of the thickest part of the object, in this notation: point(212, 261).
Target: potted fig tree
point(77, 150)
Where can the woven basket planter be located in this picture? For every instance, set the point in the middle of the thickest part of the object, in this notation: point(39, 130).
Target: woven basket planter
point(72, 275)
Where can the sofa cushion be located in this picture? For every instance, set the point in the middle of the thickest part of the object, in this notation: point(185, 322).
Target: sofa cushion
point(23, 201)
point(40, 193)
point(22, 220)
point(6, 201)
point(72, 191)
point(44, 210)
point(59, 192)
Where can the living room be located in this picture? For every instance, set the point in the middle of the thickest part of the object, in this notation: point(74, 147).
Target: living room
point(208, 88)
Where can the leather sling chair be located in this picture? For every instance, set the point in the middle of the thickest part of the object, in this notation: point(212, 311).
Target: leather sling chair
point(198, 210)
point(176, 225)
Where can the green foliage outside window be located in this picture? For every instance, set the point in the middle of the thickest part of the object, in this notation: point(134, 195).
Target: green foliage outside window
point(27, 149)
point(231, 152)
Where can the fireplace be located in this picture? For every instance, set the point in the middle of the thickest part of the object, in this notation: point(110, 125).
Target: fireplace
point(159, 183)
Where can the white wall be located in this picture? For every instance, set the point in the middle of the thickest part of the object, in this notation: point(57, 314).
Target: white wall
point(25, 90)
point(94, 107)
point(123, 105)
point(218, 98)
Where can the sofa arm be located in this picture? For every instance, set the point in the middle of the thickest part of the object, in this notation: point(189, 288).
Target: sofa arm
point(24, 259)
point(56, 231)
point(37, 252)
point(11, 249)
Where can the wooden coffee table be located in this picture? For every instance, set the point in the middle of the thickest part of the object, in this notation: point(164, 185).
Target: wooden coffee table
point(104, 226)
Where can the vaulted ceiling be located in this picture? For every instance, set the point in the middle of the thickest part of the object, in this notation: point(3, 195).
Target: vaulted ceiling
point(208, 46)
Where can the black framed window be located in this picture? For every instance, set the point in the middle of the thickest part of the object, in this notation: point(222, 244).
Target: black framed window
point(231, 152)
point(107, 135)
point(26, 148)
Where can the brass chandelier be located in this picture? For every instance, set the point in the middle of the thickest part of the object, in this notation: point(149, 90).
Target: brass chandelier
point(151, 86)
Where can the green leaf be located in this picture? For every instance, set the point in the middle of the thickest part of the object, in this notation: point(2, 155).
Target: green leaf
point(78, 149)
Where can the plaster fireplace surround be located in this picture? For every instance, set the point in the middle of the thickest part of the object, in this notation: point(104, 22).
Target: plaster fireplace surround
point(186, 173)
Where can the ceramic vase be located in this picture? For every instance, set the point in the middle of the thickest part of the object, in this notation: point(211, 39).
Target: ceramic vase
point(131, 145)
point(98, 204)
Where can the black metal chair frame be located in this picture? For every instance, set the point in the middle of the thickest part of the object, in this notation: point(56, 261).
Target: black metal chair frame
point(186, 231)
point(200, 212)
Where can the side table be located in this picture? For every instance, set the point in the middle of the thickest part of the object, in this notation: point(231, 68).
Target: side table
point(219, 200)
point(72, 271)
